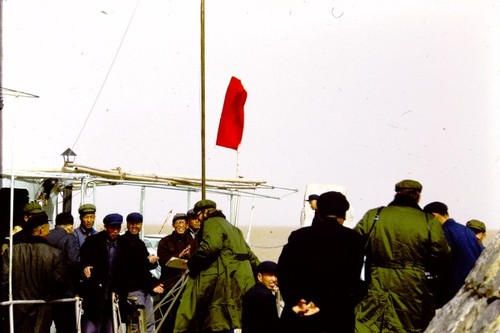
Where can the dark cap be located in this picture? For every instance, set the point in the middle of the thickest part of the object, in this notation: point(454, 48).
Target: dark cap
point(32, 207)
point(409, 184)
point(204, 204)
point(134, 217)
point(36, 220)
point(191, 213)
point(113, 219)
point(333, 203)
point(476, 225)
point(86, 209)
point(313, 197)
point(179, 216)
point(267, 267)
point(436, 207)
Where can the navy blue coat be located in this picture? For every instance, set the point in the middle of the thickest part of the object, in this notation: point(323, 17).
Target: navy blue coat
point(465, 250)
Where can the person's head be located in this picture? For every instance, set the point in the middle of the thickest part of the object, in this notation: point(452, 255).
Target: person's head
point(409, 188)
point(134, 223)
point(193, 221)
point(87, 215)
point(313, 201)
point(180, 223)
point(32, 208)
point(65, 221)
point(267, 275)
point(438, 209)
point(333, 204)
point(37, 225)
point(479, 228)
point(113, 225)
point(203, 207)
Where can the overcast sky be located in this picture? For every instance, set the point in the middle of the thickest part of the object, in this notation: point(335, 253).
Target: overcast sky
point(357, 93)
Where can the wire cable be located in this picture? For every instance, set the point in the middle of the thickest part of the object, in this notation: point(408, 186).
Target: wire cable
point(107, 75)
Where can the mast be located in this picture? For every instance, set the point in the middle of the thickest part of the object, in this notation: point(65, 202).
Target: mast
point(202, 53)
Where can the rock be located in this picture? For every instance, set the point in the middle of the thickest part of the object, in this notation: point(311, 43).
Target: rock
point(476, 307)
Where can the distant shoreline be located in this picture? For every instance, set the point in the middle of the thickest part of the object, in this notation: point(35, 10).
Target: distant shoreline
point(268, 241)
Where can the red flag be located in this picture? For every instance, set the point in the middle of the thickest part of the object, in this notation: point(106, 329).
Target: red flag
point(232, 118)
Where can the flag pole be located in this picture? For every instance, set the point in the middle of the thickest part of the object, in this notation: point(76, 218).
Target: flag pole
point(238, 163)
point(202, 52)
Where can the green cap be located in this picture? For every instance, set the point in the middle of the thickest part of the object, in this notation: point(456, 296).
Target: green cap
point(32, 207)
point(86, 209)
point(409, 184)
point(204, 204)
point(476, 225)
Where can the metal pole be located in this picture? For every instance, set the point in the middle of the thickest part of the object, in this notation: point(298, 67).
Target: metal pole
point(67, 198)
point(11, 225)
point(202, 52)
point(141, 207)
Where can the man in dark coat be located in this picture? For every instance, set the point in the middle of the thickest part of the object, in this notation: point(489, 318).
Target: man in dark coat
point(139, 281)
point(101, 258)
point(38, 273)
point(260, 309)
point(318, 271)
point(313, 203)
point(179, 244)
point(62, 238)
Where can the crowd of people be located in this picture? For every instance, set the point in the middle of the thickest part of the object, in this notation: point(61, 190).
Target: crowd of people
point(316, 285)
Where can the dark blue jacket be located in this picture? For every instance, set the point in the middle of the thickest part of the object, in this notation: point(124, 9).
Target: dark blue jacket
point(70, 249)
point(465, 250)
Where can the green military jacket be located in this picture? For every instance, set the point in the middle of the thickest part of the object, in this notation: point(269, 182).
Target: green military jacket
point(221, 271)
point(404, 243)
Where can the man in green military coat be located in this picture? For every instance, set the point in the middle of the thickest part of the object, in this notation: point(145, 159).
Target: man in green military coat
point(220, 272)
point(402, 245)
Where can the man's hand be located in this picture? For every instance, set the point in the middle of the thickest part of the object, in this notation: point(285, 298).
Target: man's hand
point(153, 259)
point(305, 309)
point(159, 289)
point(87, 271)
point(185, 252)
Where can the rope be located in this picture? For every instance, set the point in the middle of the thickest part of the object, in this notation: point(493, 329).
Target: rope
point(106, 77)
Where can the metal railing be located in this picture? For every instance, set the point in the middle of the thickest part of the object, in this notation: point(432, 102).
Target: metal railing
point(78, 308)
